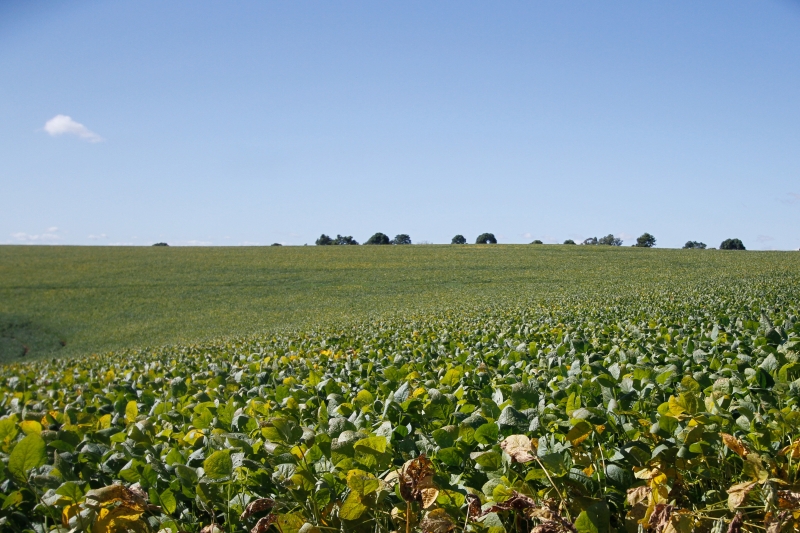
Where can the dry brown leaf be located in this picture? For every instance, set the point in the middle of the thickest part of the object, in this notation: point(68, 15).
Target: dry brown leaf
point(638, 494)
point(517, 502)
point(736, 524)
point(788, 499)
point(518, 447)
point(473, 506)
point(737, 494)
point(257, 506)
point(106, 496)
point(263, 523)
point(437, 521)
point(416, 481)
point(734, 444)
point(660, 517)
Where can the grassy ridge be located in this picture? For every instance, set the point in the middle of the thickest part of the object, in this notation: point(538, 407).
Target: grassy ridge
point(101, 298)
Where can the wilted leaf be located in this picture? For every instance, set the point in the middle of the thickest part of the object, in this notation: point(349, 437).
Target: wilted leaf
point(437, 521)
point(257, 506)
point(637, 494)
point(263, 523)
point(737, 494)
point(518, 447)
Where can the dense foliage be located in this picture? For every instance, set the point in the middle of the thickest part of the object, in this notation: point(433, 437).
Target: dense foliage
point(645, 240)
point(459, 239)
point(694, 245)
point(486, 238)
point(732, 244)
point(672, 409)
point(379, 238)
point(403, 238)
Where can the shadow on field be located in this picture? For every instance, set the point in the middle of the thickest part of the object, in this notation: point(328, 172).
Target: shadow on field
point(22, 339)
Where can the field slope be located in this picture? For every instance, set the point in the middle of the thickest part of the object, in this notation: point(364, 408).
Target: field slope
point(94, 299)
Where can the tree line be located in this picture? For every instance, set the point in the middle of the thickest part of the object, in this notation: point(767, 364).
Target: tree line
point(646, 240)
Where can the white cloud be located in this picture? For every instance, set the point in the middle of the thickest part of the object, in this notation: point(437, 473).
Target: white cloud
point(62, 124)
point(764, 238)
point(50, 235)
point(625, 236)
point(97, 237)
point(198, 243)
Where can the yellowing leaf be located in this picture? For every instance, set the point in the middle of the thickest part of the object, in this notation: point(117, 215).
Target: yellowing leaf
point(30, 426)
point(131, 412)
point(352, 508)
point(361, 482)
point(734, 444)
point(118, 519)
point(104, 422)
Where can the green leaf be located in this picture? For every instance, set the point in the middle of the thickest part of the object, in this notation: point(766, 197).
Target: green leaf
point(362, 482)
point(168, 502)
point(352, 508)
point(12, 500)
point(29, 453)
point(595, 519)
point(487, 433)
point(218, 465)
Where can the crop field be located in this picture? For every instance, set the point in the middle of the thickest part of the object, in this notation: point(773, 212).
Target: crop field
point(58, 300)
point(435, 389)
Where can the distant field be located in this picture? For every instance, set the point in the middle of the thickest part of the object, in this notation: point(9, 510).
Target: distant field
point(95, 299)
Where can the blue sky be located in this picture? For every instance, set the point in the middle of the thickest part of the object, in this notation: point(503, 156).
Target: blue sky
point(229, 123)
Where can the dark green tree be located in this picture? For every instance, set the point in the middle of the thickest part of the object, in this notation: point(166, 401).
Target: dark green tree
point(344, 240)
point(610, 240)
point(732, 244)
point(276, 244)
point(569, 241)
point(458, 239)
point(591, 241)
point(323, 240)
point(645, 241)
point(694, 245)
point(161, 244)
point(486, 238)
point(379, 238)
point(537, 241)
point(401, 239)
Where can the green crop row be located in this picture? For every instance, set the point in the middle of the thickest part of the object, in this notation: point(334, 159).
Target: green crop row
point(667, 409)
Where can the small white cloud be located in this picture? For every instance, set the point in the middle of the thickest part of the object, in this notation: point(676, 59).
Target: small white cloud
point(764, 238)
point(625, 236)
point(198, 243)
point(62, 124)
point(248, 243)
point(50, 235)
point(97, 237)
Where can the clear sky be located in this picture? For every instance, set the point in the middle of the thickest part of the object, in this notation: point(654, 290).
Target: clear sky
point(227, 123)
